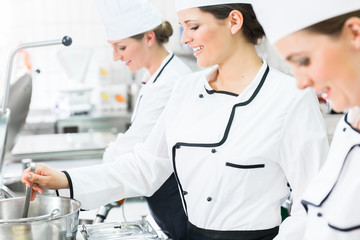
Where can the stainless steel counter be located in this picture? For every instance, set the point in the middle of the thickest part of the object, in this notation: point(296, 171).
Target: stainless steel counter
point(47, 122)
point(62, 146)
point(115, 122)
point(15, 169)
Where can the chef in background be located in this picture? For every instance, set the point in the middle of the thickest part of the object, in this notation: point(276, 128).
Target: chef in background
point(234, 134)
point(137, 34)
point(321, 41)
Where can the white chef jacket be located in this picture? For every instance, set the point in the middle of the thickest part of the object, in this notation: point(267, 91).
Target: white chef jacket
point(151, 101)
point(232, 154)
point(333, 199)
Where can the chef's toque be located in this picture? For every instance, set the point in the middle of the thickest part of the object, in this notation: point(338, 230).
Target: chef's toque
point(185, 4)
point(280, 18)
point(126, 18)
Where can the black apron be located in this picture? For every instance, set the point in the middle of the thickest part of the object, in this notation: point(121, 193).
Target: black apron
point(166, 205)
point(196, 233)
point(167, 210)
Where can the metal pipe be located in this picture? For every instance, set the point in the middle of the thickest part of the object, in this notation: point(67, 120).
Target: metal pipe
point(104, 211)
point(4, 112)
point(65, 41)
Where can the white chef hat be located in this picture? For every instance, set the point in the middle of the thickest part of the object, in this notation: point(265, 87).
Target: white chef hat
point(185, 4)
point(126, 18)
point(280, 18)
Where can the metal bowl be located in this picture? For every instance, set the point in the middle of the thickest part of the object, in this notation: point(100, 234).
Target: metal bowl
point(50, 217)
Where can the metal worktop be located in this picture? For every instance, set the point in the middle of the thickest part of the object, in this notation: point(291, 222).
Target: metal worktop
point(47, 121)
point(62, 146)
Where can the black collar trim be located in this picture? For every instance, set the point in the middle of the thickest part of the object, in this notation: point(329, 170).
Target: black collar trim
point(346, 121)
point(226, 133)
point(231, 118)
point(306, 203)
point(221, 92)
point(162, 69)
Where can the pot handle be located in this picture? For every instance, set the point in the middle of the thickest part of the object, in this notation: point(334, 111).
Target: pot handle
point(54, 213)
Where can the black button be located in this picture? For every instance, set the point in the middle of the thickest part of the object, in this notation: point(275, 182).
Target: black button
point(213, 150)
point(344, 129)
point(201, 96)
point(185, 192)
point(209, 199)
point(319, 214)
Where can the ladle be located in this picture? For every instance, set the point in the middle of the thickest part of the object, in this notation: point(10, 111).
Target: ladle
point(28, 193)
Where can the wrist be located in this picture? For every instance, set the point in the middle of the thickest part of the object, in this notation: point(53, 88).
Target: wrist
point(64, 183)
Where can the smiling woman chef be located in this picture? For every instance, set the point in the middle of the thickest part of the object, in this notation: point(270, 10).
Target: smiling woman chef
point(233, 134)
point(137, 34)
point(321, 40)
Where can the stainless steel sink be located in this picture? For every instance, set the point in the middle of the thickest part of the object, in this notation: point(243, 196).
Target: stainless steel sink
point(15, 185)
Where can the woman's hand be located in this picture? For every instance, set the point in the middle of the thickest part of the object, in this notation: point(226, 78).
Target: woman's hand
point(46, 177)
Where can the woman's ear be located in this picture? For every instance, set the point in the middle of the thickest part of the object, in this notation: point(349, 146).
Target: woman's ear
point(236, 20)
point(352, 31)
point(150, 38)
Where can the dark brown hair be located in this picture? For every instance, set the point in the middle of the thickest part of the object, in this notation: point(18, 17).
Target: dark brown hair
point(162, 33)
point(252, 29)
point(332, 26)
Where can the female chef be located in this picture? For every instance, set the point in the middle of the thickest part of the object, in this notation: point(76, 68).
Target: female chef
point(137, 34)
point(234, 134)
point(321, 40)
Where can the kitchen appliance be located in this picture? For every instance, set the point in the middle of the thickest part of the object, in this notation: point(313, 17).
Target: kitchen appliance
point(104, 210)
point(4, 111)
point(19, 103)
point(50, 218)
point(75, 94)
point(117, 231)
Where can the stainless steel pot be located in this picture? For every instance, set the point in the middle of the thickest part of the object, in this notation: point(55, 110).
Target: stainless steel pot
point(50, 218)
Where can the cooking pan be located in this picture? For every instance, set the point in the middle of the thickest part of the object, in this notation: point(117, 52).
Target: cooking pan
point(50, 218)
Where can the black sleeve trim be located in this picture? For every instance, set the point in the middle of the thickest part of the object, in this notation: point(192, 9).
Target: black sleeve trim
point(70, 184)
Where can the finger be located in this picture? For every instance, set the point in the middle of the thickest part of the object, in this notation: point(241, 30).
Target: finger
point(41, 169)
point(35, 178)
point(25, 179)
point(37, 188)
point(33, 195)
